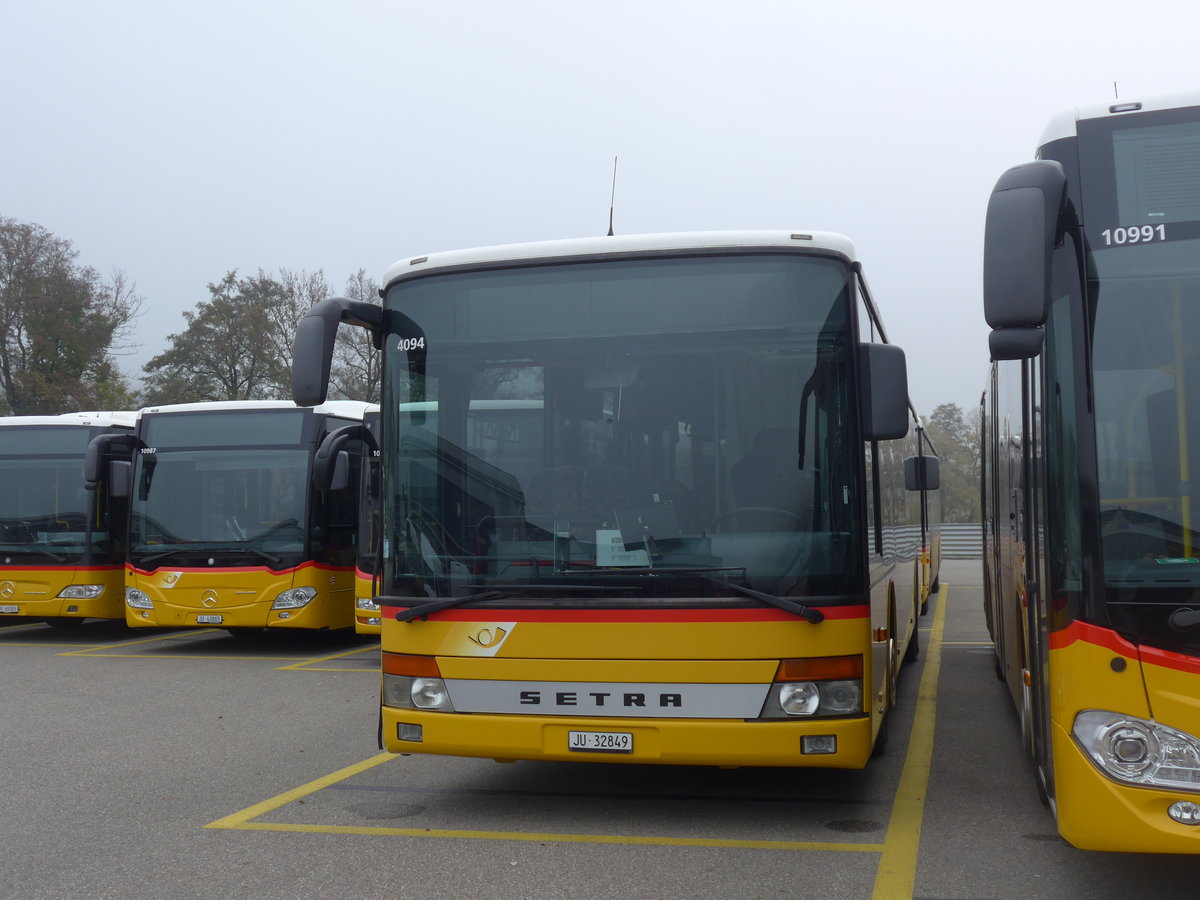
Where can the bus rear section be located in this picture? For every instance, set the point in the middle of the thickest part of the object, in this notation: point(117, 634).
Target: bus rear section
point(229, 528)
point(62, 539)
point(643, 497)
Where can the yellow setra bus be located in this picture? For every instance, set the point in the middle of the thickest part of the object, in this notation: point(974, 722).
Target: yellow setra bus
point(62, 548)
point(1091, 420)
point(244, 516)
point(644, 501)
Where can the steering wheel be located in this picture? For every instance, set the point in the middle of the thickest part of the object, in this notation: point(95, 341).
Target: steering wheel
point(761, 513)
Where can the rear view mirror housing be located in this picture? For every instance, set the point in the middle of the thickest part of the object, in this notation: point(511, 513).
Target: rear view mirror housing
point(883, 373)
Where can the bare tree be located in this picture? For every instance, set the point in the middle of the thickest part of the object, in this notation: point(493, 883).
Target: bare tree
point(356, 373)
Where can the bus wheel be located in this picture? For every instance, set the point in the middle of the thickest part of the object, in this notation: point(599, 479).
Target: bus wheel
point(914, 647)
point(889, 681)
point(1026, 717)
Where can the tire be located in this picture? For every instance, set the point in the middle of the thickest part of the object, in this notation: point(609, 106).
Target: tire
point(913, 651)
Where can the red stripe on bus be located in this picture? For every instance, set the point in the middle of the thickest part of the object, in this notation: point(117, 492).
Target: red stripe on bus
point(239, 569)
point(637, 615)
point(65, 567)
point(1110, 640)
point(1168, 660)
point(1092, 634)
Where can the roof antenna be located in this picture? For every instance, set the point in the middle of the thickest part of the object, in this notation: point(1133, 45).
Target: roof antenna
point(1116, 93)
point(612, 200)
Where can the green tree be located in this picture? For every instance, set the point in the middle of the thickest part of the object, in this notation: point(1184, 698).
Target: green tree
point(59, 325)
point(237, 344)
point(956, 439)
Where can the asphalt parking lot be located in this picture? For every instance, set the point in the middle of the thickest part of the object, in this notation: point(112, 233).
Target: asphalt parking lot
point(193, 764)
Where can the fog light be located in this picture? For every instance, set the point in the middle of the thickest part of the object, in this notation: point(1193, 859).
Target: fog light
point(811, 744)
point(1185, 812)
point(407, 731)
point(375, 622)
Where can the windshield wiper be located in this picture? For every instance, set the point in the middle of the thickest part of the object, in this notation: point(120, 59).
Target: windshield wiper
point(812, 615)
point(34, 548)
point(799, 609)
point(188, 549)
point(507, 592)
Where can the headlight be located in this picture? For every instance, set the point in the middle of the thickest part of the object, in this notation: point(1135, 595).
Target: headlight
point(138, 599)
point(295, 598)
point(81, 591)
point(366, 603)
point(416, 693)
point(814, 698)
point(1136, 751)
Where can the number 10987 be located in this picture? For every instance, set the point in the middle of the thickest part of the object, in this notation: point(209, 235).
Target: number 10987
point(1134, 234)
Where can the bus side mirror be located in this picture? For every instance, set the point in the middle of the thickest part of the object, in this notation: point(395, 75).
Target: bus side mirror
point(91, 462)
point(340, 479)
point(312, 348)
point(120, 478)
point(884, 377)
point(922, 473)
point(331, 463)
point(1020, 232)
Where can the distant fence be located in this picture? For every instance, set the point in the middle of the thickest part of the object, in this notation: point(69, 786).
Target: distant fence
point(961, 541)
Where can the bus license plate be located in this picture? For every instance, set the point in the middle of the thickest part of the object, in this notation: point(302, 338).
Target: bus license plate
point(209, 620)
point(600, 741)
point(9, 608)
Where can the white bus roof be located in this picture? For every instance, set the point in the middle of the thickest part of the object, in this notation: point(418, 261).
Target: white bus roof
point(348, 409)
point(631, 244)
point(1062, 124)
point(98, 419)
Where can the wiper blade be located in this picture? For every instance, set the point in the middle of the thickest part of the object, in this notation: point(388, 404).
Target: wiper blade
point(812, 615)
point(507, 592)
point(34, 548)
point(189, 549)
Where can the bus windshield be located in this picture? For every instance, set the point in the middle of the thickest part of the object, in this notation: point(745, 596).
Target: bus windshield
point(44, 508)
point(1140, 183)
point(193, 491)
point(643, 429)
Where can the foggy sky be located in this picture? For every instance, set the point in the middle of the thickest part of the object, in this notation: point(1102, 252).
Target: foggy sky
point(176, 141)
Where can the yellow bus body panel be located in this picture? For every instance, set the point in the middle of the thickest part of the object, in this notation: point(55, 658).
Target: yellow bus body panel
point(1095, 812)
point(242, 597)
point(641, 653)
point(34, 591)
point(364, 586)
point(707, 742)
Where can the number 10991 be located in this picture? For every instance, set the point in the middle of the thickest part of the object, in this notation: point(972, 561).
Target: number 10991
point(1134, 234)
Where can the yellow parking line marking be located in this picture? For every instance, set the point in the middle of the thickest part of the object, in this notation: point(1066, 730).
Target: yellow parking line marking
point(559, 838)
point(240, 818)
point(306, 663)
point(897, 872)
point(300, 667)
point(243, 821)
point(83, 651)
